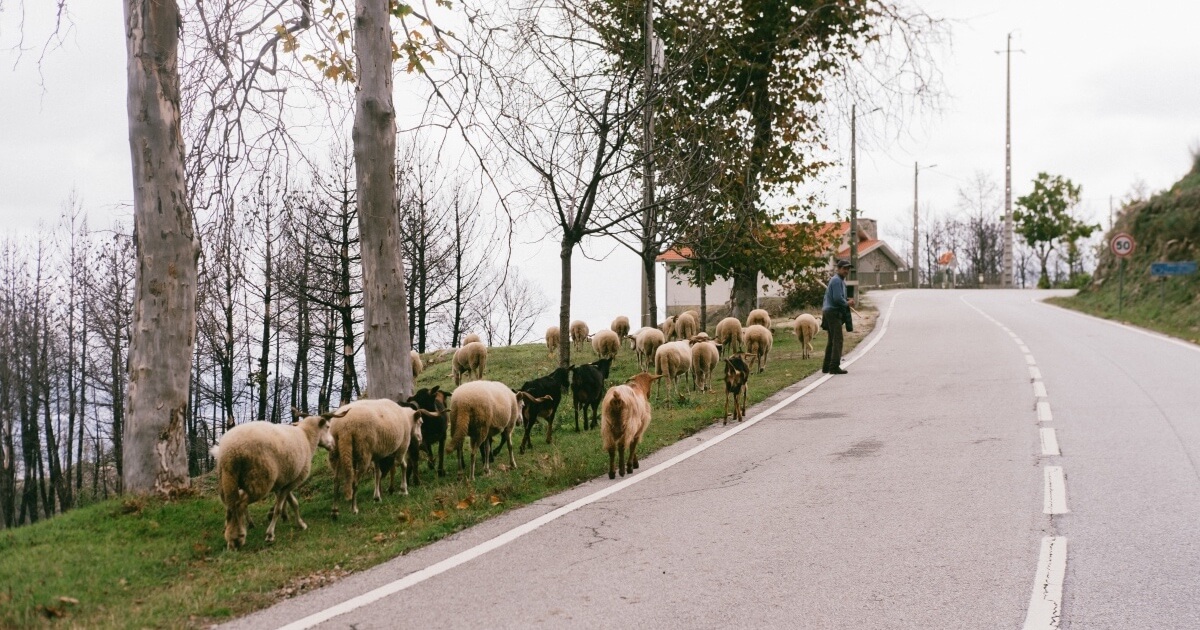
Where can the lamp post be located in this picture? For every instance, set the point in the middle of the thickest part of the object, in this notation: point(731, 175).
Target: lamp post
point(916, 264)
point(854, 199)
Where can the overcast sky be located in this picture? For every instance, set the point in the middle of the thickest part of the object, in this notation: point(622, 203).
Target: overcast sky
point(1106, 93)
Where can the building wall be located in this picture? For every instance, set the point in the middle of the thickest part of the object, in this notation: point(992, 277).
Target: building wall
point(876, 261)
point(681, 294)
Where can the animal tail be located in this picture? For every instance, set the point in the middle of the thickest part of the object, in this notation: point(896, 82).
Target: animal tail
point(459, 431)
point(614, 413)
point(345, 462)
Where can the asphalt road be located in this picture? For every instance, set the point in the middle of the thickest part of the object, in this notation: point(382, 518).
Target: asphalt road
point(922, 490)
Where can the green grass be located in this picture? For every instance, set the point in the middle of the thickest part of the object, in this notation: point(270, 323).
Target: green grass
point(1177, 314)
point(138, 562)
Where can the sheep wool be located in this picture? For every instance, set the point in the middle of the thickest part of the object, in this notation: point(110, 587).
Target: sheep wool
point(620, 325)
point(806, 328)
point(552, 339)
point(672, 360)
point(729, 334)
point(374, 431)
point(686, 326)
point(470, 360)
point(646, 343)
point(480, 409)
point(759, 317)
point(606, 343)
point(579, 334)
point(705, 357)
point(417, 366)
point(258, 458)
point(758, 344)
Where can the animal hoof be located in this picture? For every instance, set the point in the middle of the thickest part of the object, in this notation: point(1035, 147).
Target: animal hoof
point(613, 475)
point(270, 538)
point(333, 514)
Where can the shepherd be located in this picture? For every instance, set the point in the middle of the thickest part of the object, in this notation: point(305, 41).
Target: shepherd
point(835, 312)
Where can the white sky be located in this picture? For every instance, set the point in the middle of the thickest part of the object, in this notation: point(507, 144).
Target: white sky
point(1106, 93)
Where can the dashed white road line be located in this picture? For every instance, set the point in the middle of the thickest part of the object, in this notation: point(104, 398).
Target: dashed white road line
point(1023, 348)
point(1049, 442)
point(1039, 389)
point(1035, 373)
point(1045, 605)
point(1056, 491)
point(1030, 360)
point(1043, 412)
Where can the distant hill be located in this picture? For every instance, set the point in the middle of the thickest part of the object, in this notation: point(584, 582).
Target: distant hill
point(1166, 227)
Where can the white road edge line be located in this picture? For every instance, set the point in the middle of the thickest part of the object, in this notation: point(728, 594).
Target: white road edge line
point(1050, 442)
point(1056, 491)
point(1043, 412)
point(467, 555)
point(1039, 389)
point(1045, 605)
point(1140, 331)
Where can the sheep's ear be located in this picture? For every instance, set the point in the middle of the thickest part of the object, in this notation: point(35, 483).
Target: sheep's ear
point(297, 414)
point(435, 389)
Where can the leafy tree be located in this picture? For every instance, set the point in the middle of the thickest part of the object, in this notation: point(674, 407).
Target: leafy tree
point(1043, 218)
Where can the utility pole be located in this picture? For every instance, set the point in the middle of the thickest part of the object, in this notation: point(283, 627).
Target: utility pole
point(1007, 278)
point(853, 202)
point(653, 63)
point(916, 258)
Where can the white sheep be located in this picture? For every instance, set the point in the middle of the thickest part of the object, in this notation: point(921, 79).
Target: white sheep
point(417, 366)
point(258, 458)
point(705, 357)
point(760, 317)
point(552, 339)
point(667, 326)
point(481, 409)
point(605, 343)
point(645, 343)
point(470, 338)
point(694, 313)
point(579, 334)
point(672, 360)
point(470, 360)
point(758, 340)
point(624, 417)
point(372, 431)
point(686, 326)
point(620, 325)
point(729, 334)
point(806, 328)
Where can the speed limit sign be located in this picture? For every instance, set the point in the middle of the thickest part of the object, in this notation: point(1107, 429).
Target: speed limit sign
point(1122, 245)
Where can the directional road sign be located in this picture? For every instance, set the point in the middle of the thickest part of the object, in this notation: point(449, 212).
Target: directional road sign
point(1180, 268)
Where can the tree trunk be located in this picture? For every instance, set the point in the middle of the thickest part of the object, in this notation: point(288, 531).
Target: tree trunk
point(648, 256)
point(564, 309)
point(164, 317)
point(703, 298)
point(745, 293)
point(385, 324)
point(264, 355)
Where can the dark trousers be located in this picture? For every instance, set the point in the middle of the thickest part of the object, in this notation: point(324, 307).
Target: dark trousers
point(832, 322)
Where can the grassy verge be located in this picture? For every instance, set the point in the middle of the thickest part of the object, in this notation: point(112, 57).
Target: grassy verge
point(138, 562)
point(1171, 313)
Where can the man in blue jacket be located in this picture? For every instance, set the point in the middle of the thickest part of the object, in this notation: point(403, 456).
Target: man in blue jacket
point(835, 312)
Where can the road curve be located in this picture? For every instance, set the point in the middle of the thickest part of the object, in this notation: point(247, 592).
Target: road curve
point(919, 491)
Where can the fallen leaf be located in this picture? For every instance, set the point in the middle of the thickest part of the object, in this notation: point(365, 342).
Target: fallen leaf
point(462, 505)
point(494, 500)
point(68, 600)
point(439, 514)
point(380, 537)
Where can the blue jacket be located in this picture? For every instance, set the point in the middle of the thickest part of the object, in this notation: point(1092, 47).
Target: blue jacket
point(835, 295)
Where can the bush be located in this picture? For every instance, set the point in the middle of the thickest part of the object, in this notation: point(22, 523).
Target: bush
point(805, 291)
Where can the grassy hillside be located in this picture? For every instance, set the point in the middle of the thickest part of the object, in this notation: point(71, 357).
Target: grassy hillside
point(158, 563)
point(1166, 228)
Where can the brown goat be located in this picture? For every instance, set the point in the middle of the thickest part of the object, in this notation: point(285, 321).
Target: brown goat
point(737, 377)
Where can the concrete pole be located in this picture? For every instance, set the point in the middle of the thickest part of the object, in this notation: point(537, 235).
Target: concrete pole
point(916, 276)
point(853, 202)
point(648, 159)
point(1007, 278)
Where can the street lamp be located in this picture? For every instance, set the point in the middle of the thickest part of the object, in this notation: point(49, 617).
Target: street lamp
point(916, 276)
point(854, 198)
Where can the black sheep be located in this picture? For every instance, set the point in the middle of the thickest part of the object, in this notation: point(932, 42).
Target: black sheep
point(587, 390)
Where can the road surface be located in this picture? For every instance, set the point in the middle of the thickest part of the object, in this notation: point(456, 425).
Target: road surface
point(989, 462)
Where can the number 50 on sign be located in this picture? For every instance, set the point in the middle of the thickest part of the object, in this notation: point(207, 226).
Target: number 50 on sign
point(1122, 245)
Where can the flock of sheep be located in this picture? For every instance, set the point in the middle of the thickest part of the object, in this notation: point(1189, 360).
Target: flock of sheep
point(379, 436)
